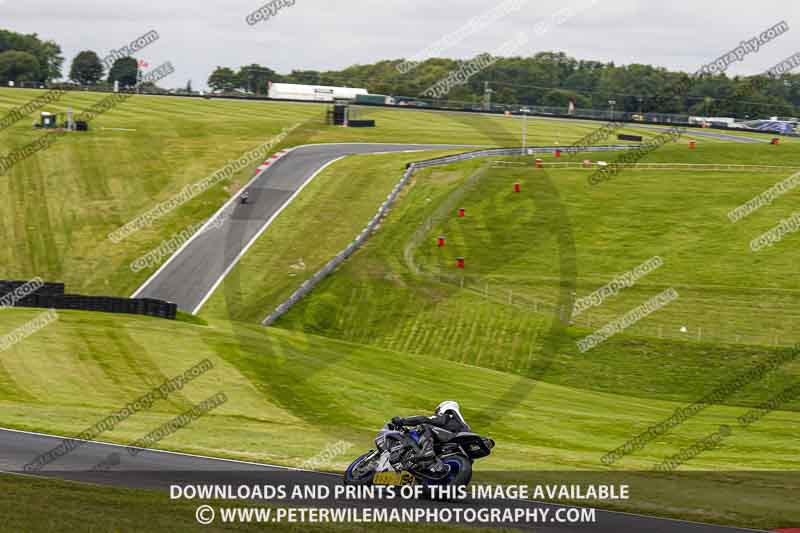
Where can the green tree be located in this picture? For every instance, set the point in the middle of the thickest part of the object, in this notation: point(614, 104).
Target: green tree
point(124, 70)
point(255, 78)
point(86, 68)
point(552, 78)
point(47, 53)
point(222, 79)
point(53, 60)
point(303, 77)
point(19, 66)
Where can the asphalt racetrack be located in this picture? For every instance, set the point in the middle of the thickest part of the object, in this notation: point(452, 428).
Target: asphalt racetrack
point(157, 470)
point(188, 279)
point(190, 276)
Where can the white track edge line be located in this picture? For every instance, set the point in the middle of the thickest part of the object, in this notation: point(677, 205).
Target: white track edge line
point(200, 231)
point(184, 454)
point(283, 153)
point(260, 232)
point(291, 199)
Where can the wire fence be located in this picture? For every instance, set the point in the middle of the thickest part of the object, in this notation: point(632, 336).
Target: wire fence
point(362, 237)
point(672, 326)
point(703, 167)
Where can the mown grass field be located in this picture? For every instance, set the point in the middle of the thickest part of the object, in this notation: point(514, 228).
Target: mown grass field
point(60, 205)
point(729, 294)
point(283, 384)
point(733, 303)
point(393, 331)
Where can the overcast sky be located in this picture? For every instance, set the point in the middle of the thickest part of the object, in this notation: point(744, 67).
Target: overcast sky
point(196, 36)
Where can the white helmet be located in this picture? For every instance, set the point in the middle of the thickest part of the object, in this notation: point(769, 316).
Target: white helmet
point(449, 406)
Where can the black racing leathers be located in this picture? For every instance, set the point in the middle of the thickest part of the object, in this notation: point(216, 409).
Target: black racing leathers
point(447, 421)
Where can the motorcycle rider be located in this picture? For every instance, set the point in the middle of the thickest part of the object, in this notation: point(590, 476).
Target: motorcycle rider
point(447, 416)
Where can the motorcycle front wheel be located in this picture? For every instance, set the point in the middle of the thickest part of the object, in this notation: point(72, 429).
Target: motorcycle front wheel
point(362, 470)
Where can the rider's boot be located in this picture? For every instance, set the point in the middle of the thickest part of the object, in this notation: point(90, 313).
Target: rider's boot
point(426, 456)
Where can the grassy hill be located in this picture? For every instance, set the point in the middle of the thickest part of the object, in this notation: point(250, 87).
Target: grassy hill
point(60, 205)
point(319, 223)
point(282, 385)
point(398, 328)
point(404, 293)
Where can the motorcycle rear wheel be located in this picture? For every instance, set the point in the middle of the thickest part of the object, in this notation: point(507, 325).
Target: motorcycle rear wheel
point(460, 470)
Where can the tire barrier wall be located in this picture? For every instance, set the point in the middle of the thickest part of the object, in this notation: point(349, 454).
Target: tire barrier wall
point(51, 296)
point(51, 289)
point(314, 280)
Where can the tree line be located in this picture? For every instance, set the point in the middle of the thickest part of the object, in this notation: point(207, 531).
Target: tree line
point(29, 59)
point(551, 79)
point(545, 79)
point(26, 58)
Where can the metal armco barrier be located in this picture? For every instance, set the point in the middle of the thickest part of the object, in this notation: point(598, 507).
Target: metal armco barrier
point(530, 150)
point(314, 280)
point(51, 296)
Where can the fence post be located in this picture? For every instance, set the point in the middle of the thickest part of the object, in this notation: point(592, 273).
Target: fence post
point(410, 170)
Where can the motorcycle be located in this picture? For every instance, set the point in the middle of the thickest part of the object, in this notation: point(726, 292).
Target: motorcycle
point(393, 461)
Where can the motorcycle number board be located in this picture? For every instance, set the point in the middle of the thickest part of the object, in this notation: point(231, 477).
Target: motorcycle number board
point(393, 478)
